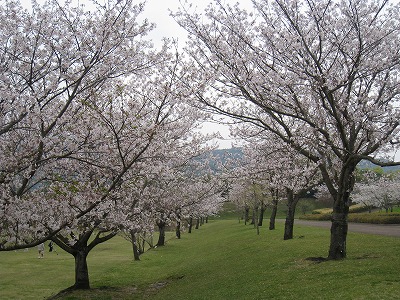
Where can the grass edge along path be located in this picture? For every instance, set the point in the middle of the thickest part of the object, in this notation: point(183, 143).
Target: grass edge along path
point(221, 260)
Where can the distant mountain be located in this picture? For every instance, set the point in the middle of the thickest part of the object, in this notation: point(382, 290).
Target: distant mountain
point(228, 157)
point(222, 156)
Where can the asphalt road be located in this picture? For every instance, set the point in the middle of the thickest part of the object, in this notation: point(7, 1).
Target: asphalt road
point(379, 229)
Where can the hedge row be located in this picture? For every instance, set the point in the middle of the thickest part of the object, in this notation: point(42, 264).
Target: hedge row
point(357, 208)
point(316, 217)
point(374, 218)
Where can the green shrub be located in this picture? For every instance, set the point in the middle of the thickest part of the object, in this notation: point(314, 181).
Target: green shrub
point(358, 208)
point(316, 217)
point(322, 211)
point(375, 218)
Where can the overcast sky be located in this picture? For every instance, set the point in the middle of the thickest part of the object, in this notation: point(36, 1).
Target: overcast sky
point(158, 11)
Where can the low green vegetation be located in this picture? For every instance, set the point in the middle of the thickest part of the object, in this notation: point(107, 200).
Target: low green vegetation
point(375, 218)
point(305, 206)
point(358, 214)
point(224, 259)
point(357, 208)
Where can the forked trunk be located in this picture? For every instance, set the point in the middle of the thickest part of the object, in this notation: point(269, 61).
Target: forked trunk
point(292, 200)
point(81, 270)
point(273, 214)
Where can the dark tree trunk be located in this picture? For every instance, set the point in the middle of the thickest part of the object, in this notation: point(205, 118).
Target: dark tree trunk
point(206, 220)
point(292, 200)
point(161, 230)
point(197, 223)
point(190, 224)
point(246, 215)
point(81, 270)
point(253, 218)
point(256, 221)
point(339, 228)
point(178, 229)
point(80, 251)
point(178, 223)
point(273, 214)
point(262, 211)
point(135, 246)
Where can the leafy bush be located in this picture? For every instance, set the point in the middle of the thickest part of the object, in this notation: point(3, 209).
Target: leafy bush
point(322, 211)
point(358, 208)
point(316, 217)
point(375, 218)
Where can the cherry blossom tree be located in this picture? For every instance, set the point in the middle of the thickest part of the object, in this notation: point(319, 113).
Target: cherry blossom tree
point(91, 113)
point(377, 191)
point(145, 128)
point(320, 75)
point(55, 59)
point(283, 170)
point(138, 128)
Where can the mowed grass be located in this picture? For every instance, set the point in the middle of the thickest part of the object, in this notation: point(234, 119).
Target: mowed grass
point(224, 259)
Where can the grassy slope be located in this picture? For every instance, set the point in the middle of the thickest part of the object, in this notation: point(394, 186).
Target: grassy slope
point(221, 260)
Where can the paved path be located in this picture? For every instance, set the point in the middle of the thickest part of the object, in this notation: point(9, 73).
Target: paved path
point(379, 229)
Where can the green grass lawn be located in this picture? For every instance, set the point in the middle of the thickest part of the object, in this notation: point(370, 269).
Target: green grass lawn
point(221, 260)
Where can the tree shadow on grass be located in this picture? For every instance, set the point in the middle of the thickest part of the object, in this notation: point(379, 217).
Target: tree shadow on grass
point(109, 292)
point(317, 260)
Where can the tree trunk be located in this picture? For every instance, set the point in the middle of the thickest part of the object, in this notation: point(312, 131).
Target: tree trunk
point(81, 270)
point(256, 220)
point(339, 228)
point(292, 200)
point(197, 223)
point(246, 215)
point(337, 248)
point(190, 224)
point(262, 211)
point(273, 214)
point(253, 218)
point(178, 223)
point(178, 229)
point(161, 237)
point(135, 246)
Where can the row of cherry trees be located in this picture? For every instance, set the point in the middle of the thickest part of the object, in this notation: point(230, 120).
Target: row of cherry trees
point(320, 76)
point(378, 191)
point(274, 172)
point(96, 132)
